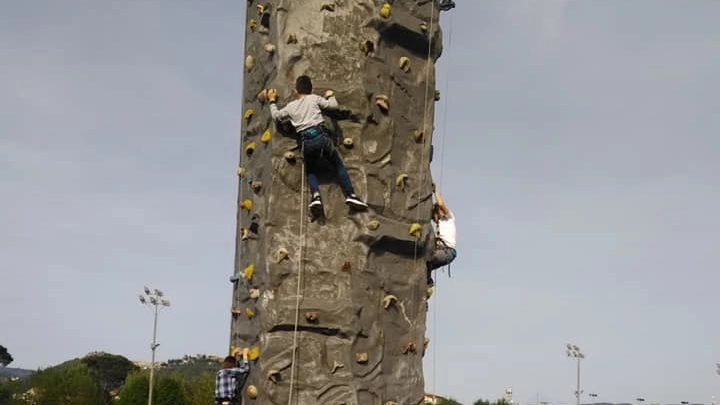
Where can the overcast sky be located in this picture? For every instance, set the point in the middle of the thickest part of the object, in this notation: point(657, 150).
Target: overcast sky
point(581, 143)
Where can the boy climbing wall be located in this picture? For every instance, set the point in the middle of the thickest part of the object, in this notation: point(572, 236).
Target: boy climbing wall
point(230, 379)
point(305, 114)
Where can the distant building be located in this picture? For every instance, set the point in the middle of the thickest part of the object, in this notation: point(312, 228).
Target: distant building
point(433, 399)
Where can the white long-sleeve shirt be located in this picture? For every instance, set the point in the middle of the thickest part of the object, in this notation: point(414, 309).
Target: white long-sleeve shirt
point(446, 229)
point(305, 112)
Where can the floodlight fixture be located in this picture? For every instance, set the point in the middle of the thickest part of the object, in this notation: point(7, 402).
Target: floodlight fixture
point(158, 293)
point(165, 303)
point(142, 299)
point(147, 290)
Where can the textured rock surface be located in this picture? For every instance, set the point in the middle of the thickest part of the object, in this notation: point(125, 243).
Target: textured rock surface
point(351, 349)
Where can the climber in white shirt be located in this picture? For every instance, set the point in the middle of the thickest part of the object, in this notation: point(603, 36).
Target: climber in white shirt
point(305, 114)
point(444, 251)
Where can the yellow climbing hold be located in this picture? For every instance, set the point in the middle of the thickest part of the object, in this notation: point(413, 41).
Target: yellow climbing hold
point(253, 353)
point(249, 271)
point(249, 312)
point(265, 138)
point(252, 24)
point(248, 113)
point(418, 135)
point(429, 292)
point(250, 148)
point(252, 391)
point(246, 205)
point(241, 171)
point(373, 225)
point(385, 10)
point(400, 181)
point(415, 230)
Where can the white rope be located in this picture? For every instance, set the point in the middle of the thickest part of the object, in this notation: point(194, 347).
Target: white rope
point(299, 276)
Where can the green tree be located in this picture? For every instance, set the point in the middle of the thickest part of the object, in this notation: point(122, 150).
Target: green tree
point(135, 389)
point(167, 390)
point(201, 390)
point(109, 370)
point(5, 356)
point(69, 384)
point(482, 402)
point(448, 401)
point(170, 390)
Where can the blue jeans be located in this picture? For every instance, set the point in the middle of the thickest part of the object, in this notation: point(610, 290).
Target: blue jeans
point(319, 147)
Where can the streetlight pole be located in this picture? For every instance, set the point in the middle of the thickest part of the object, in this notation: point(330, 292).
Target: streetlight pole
point(573, 351)
point(155, 299)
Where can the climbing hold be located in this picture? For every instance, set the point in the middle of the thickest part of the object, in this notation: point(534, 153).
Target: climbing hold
point(385, 10)
point(245, 234)
point(235, 311)
point(400, 181)
point(249, 271)
point(437, 95)
point(404, 64)
point(253, 353)
point(361, 357)
point(250, 148)
point(389, 300)
point(249, 63)
point(373, 225)
point(348, 142)
point(424, 27)
point(252, 24)
point(254, 293)
point(234, 278)
point(292, 39)
point(311, 316)
point(426, 342)
point(273, 375)
point(249, 312)
point(260, 9)
point(265, 138)
point(418, 135)
point(336, 366)
point(248, 114)
point(282, 254)
point(246, 205)
point(262, 96)
point(415, 230)
point(241, 171)
point(429, 292)
point(409, 347)
point(252, 391)
point(256, 185)
point(328, 6)
point(269, 48)
point(347, 267)
point(367, 47)
point(289, 156)
point(383, 102)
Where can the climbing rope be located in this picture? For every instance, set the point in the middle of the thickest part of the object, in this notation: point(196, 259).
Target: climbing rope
point(299, 275)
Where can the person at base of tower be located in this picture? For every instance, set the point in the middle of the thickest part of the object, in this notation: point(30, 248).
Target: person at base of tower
point(230, 379)
point(305, 114)
point(444, 223)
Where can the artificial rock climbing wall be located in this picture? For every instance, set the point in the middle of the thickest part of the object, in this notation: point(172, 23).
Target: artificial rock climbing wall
point(360, 316)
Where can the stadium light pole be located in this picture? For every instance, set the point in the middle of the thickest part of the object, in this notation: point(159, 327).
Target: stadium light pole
point(154, 299)
point(574, 352)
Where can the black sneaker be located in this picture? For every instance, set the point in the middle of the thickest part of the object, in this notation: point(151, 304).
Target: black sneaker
point(315, 203)
point(354, 202)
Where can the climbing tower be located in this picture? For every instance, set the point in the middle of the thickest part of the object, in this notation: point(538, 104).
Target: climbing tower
point(334, 309)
